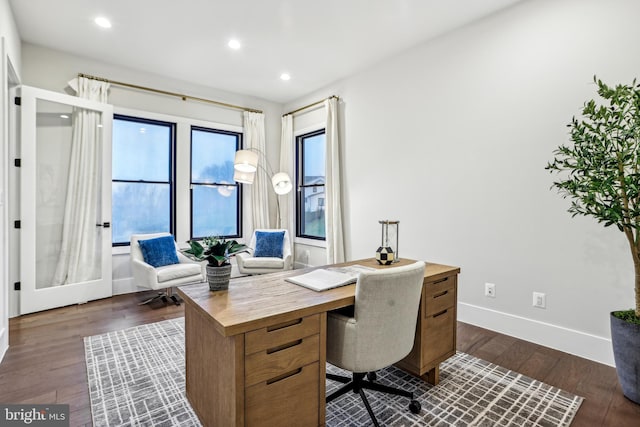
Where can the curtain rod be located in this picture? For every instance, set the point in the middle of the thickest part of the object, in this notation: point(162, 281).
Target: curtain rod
point(313, 104)
point(164, 92)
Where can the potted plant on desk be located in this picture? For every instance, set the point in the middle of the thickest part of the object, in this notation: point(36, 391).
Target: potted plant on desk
point(602, 177)
point(216, 251)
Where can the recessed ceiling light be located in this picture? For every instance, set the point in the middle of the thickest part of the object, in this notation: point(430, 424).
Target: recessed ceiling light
point(103, 22)
point(234, 44)
point(285, 76)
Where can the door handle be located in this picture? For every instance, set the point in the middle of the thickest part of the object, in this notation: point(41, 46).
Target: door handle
point(104, 224)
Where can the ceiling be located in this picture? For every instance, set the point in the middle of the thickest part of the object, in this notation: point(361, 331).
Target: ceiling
point(316, 41)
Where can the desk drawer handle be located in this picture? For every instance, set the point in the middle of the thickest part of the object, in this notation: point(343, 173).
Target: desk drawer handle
point(284, 346)
point(440, 313)
point(284, 325)
point(441, 294)
point(441, 280)
point(284, 376)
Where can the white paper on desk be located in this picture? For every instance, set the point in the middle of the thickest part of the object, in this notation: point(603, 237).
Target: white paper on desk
point(329, 278)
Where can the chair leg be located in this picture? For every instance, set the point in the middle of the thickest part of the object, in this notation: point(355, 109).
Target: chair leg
point(386, 389)
point(357, 384)
point(153, 298)
point(174, 298)
point(369, 410)
point(348, 386)
point(338, 378)
point(164, 296)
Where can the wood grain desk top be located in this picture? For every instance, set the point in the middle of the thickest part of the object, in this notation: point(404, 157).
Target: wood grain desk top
point(255, 302)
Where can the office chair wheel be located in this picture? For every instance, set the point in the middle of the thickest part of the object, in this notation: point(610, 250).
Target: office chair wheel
point(415, 407)
point(371, 376)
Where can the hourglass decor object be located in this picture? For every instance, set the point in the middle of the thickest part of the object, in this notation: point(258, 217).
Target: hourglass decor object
point(387, 253)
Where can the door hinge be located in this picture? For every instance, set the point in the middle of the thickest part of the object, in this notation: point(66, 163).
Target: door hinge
point(17, 100)
point(16, 286)
point(17, 162)
point(16, 224)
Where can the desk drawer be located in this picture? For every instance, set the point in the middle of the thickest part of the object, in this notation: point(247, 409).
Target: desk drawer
point(278, 360)
point(439, 333)
point(280, 334)
point(439, 295)
point(292, 400)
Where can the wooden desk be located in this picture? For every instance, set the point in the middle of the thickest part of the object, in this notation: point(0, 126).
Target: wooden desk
point(255, 354)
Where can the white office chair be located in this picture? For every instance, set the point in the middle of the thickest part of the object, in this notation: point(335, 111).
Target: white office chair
point(250, 264)
point(377, 331)
point(165, 277)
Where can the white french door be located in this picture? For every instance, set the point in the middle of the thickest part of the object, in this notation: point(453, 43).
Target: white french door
point(54, 203)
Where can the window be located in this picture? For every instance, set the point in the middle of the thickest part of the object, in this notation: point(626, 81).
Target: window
point(142, 180)
point(215, 196)
point(311, 179)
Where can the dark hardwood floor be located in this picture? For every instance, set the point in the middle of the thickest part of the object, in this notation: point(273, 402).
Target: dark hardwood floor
point(45, 361)
point(604, 403)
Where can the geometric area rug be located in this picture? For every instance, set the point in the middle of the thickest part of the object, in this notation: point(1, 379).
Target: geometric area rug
point(136, 377)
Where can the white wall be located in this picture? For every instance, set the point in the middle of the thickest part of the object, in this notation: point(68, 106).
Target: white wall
point(452, 137)
point(9, 31)
point(10, 63)
point(50, 69)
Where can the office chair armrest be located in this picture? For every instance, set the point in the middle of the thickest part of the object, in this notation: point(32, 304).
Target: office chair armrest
point(341, 349)
point(343, 316)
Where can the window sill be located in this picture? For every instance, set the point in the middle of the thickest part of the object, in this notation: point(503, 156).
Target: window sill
point(310, 242)
point(120, 250)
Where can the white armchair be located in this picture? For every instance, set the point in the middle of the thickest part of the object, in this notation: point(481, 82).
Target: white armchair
point(167, 276)
point(248, 263)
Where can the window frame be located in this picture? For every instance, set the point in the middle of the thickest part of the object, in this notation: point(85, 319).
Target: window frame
point(300, 183)
point(171, 166)
point(239, 144)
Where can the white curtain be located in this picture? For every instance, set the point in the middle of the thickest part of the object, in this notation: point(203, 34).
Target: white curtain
point(287, 165)
point(333, 204)
point(255, 139)
point(79, 259)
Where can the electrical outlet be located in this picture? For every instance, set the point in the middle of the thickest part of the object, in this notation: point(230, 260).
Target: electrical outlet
point(539, 300)
point(490, 290)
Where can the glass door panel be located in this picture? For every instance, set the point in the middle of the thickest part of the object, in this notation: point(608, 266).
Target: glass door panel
point(65, 251)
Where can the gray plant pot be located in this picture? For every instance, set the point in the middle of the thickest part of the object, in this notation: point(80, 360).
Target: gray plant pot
point(625, 338)
point(218, 277)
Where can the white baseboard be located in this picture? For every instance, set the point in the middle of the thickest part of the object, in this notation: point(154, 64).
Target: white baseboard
point(570, 341)
point(4, 343)
point(124, 286)
point(299, 265)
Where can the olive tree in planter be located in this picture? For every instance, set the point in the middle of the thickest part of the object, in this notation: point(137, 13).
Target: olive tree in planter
point(600, 172)
point(216, 251)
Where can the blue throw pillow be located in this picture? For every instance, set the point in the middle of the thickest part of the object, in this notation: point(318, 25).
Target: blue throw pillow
point(159, 251)
point(269, 244)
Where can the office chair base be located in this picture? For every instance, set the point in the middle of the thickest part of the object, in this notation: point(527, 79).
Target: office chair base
point(357, 384)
